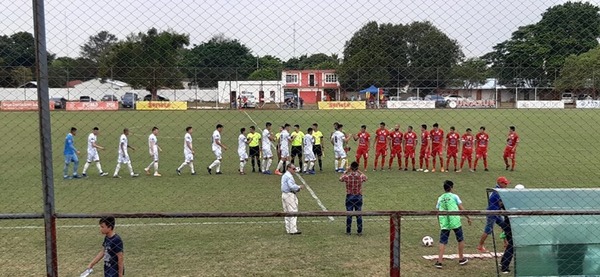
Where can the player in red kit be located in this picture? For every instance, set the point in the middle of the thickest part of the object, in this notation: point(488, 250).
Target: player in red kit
point(511, 148)
point(381, 138)
point(467, 149)
point(437, 146)
point(363, 138)
point(425, 152)
point(481, 140)
point(396, 138)
point(452, 144)
point(410, 143)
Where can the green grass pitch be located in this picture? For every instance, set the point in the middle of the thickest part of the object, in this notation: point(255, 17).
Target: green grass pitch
point(558, 149)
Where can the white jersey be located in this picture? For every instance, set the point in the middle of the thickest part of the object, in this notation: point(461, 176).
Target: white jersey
point(91, 140)
point(216, 136)
point(266, 142)
point(242, 143)
point(152, 144)
point(187, 150)
point(338, 140)
point(307, 143)
point(123, 144)
point(284, 140)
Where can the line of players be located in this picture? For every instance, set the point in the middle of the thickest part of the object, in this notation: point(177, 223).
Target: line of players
point(432, 145)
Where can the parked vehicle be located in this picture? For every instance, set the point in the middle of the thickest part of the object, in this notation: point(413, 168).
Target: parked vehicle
point(247, 100)
point(59, 102)
point(109, 97)
point(454, 97)
point(567, 98)
point(584, 97)
point(86, 98)
point(128, 100)
point(440, 102)
point(148, 97)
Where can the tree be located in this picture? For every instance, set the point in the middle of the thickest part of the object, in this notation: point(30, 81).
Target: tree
point(581, 71)
point(16, 51)
point(314, 61)
point(218, 59)
point(147, 60)
point(97, 45)
point(470, 73)
point(21, 75)
point(417, 54)
point(65, 69)
point(268, 68)
point(535, 54)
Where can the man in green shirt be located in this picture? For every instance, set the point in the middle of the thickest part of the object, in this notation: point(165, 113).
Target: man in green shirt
point(297, 137)
point(318, 147)
point(254, 139)
point(450, 202)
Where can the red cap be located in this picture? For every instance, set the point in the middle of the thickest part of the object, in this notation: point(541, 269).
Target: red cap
point(502, 180)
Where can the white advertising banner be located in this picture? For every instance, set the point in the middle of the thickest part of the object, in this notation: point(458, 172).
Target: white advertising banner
point(540, 105)
point(587, 104)
point(411, 104)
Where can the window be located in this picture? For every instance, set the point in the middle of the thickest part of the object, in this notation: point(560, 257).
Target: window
point(331, 78)
point(291, 79)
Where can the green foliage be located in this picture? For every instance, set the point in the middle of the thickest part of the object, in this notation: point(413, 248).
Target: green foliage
point(315, 61)
point(21, 75)
point(65, 69)
point(418, 54)
point(580, 71)
point(16, 51)
point(470, 73)
point(146, 60)
point(264, 74)
point(97, 45)
point(535, 54)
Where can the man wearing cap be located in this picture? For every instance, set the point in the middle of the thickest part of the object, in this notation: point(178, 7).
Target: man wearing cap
point(494, 204)
point(289, 199)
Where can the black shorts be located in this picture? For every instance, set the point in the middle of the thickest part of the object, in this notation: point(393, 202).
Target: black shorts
point(445, 235)
point(254, 151)
point(296, 151)
point(318, 150)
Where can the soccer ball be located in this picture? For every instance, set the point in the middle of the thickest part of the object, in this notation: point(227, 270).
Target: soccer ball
point(427, 241)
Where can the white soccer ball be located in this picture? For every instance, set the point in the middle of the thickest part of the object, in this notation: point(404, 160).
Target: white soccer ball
point(519, 186)
point(427, 241)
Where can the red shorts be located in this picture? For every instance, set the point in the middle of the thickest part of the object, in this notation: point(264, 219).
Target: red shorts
point(451, 152)
point(481, 153)
point(467, 154)
point(409, 152)
point(425, 153)
point(381, 151)
point(396, 150)
point(509, 153)
point(438, 150)
point(362, 152)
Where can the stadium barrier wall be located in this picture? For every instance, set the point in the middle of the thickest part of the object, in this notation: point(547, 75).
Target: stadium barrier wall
point(20, 106)
point(411, 104)
point(540, 105)
point(93, 106)
point(161, 106)
point(587, 104)
point(342, 105)
point(472, 104)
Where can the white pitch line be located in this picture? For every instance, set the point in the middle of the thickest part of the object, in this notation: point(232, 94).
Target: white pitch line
point(312, 193)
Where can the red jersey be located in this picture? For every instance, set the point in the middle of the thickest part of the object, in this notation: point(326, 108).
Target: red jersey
point(381, 137)
point(512, 140)
point(424, 139)
point(437, 138)
point(363, 140)
point(410, 140)
point(482, 140)
point(396, 138)
point(453, 140)
point(467, 141)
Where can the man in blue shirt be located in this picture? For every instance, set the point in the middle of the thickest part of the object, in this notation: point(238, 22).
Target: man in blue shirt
point(494, 204)
point(289, 199)
point(112, 250)
point(70, 153)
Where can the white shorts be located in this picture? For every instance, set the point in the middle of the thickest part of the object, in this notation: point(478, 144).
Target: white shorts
point(189, 157)
point(309, 156)
point(243, 155)
point(123, 159)
point(285, 153)
point(93, 156)
point(218, 154)
point(339, 153)
point(154, 156)
point(267, 153)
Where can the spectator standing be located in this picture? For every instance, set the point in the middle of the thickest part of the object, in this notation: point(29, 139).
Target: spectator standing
point(354, 180)
point(289, 189)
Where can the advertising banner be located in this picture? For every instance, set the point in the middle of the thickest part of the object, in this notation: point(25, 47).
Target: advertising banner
point(342, 105)
point(93, 106)
point(472, 104)
point(540, 105)
point(28, 105)
point(161, 106)
point(587, 104)
point(411, 104)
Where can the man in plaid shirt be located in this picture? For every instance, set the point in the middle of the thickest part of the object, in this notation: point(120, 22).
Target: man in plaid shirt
point(354, 180)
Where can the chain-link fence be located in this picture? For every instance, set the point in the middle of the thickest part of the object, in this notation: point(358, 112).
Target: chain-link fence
point(163, 112)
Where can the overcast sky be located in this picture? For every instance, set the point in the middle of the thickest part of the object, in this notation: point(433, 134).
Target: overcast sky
point(267, 27)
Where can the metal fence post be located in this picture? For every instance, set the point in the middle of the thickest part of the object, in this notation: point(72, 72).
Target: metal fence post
point(395, 245)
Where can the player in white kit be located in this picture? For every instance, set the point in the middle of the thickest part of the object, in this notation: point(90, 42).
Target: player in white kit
point(242, 152)
point(338, 139)
point(153, 149)
point(188, 151)
point(309, 155)
point(217, 148)
point(267, 152)
point(284, 147)
point(93, 153)
point(123, 155)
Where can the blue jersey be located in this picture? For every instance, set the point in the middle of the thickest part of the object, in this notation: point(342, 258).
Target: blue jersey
point(69, 145)
point(494, 201)
point(112, 246)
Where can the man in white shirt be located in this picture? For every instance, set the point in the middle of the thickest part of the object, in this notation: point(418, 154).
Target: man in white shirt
point(267, 152)
point(188, 151)
point(289, 188)
point(123, 155)
point(242, 143)
point(217, 148)
point(284, 147)
point(309, 155)
point(93, 153)
point(338, 139)
point(153, 149)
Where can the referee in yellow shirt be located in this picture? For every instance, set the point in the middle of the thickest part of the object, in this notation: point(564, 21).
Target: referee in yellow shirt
point(254, 145)
point(318, 147)
point(297, 137)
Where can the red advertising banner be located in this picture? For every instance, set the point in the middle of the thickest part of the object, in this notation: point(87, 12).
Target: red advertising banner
point(25, 105)
point(93, 106)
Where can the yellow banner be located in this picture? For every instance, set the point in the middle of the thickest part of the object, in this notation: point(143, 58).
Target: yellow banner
point(342, 105)
point(160, 105)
